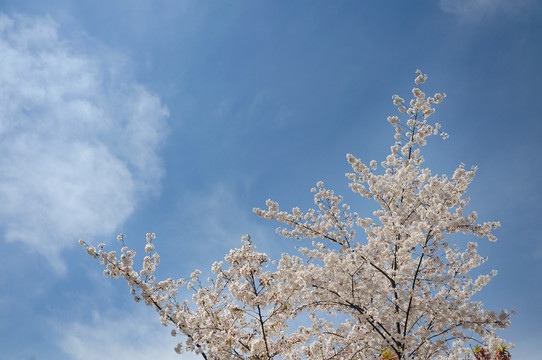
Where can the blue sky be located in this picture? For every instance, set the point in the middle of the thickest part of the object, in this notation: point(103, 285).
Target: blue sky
point(179, 117)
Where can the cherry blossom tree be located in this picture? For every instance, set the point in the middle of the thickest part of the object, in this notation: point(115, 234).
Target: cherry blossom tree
point(387, 286)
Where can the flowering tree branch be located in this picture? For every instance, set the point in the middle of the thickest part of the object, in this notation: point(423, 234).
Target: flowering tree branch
point(389, 286)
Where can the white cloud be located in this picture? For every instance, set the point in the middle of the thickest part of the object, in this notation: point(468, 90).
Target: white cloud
point(212, 222)
point(135, 336)
point(476, 9)
point(78, 137)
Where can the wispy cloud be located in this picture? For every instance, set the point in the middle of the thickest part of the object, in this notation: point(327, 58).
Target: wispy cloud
point(476, 9)
point(213, 221)
point(78, 137)
point(137, 336)
point(219, 216)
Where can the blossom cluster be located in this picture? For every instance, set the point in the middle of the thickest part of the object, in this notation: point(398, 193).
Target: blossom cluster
point(388, 286)
point(483, 353)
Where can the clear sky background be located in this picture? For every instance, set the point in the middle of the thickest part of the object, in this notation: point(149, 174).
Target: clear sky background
point(179, 117)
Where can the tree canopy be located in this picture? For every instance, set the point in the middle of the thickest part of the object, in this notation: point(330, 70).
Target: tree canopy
point(390, 285)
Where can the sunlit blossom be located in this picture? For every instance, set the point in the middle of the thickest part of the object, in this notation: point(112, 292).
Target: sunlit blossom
point(387, 286)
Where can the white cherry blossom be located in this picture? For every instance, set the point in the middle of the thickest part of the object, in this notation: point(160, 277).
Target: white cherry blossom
point(386, 286)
